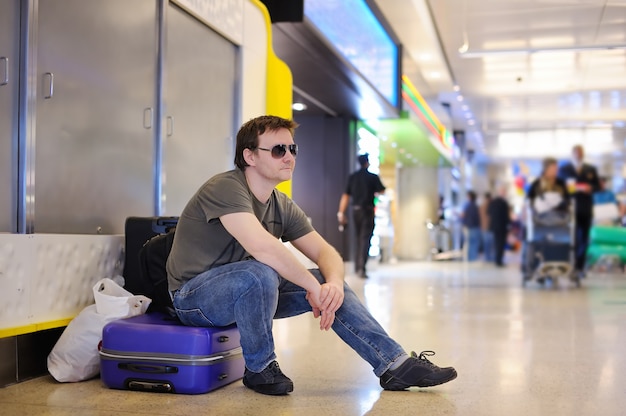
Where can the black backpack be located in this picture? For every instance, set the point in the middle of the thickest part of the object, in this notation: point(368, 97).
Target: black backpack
point(148, 244)
point(152, 273)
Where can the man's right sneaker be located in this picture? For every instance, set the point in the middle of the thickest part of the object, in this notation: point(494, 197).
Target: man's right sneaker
point(270, 381)
point(416, 371)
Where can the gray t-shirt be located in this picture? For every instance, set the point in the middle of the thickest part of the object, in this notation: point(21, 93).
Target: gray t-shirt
point(201, 242)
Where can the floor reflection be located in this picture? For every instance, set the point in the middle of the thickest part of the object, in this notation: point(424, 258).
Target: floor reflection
point(532, 351)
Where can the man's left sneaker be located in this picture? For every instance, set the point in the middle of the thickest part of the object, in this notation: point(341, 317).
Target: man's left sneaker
point(416, 371)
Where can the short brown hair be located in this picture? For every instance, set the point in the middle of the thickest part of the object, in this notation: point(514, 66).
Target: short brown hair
point(546, 163)
point(248, 135)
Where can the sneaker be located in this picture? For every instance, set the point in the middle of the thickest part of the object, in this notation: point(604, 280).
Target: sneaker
point(416, 371)
point(270, 381)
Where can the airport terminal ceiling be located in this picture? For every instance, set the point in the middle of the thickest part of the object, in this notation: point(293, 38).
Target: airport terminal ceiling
point(521, 76)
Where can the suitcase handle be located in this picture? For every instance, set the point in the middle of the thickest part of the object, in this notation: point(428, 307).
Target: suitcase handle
point(158, 386)
point(146, 368)
point(223, 338)
point(222, 376)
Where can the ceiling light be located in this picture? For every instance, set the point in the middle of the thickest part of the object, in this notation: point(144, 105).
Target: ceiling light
point(435, 74)
point(425, 57)
point(465, 107)
point(471, 122)
point(526, 51)
point(456, 88)
point(465, 46)
point(299, 106)
point(459, 98)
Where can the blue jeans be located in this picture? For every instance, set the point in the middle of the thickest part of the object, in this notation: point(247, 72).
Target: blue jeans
point(473, 243)
point(251, 294)
point(488, 245)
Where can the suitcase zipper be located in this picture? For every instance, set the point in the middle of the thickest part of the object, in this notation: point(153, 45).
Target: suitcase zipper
point(188, 360)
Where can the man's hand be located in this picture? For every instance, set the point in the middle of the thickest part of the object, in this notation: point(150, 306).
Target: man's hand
point(330, 299)
point(327, 298)
point(584, 187)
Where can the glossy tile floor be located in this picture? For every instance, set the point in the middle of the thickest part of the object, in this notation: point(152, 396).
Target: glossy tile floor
point(533, 351)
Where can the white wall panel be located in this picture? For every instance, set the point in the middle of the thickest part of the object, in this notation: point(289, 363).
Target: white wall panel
point(47, 277)
point(224, 16)
point(254, 63)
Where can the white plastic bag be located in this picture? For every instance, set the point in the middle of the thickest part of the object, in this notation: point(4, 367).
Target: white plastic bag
point(605, 214)
point(75, 355)
point(548, 201)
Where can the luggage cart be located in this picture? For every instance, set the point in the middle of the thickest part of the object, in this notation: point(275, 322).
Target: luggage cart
point(549, 247)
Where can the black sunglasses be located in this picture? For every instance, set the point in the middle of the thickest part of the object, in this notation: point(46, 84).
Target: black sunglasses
point(280, 150)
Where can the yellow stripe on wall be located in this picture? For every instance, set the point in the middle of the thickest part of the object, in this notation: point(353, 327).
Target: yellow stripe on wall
point(26, 329)
point(279, 82)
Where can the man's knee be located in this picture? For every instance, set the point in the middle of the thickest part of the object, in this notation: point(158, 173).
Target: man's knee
point(260, 276)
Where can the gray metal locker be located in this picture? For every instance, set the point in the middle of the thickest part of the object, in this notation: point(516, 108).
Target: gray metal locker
point(9, 94)
point(94, 117)
point(200, 88)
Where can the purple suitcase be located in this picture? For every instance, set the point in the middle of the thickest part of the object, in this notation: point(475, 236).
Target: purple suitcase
point(154, 352)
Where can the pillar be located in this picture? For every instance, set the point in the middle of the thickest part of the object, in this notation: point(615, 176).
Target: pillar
point(417, 203)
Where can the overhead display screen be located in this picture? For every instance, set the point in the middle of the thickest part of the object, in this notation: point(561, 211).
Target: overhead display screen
point(354, 30)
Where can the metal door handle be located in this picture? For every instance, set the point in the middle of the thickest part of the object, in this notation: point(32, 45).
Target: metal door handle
point(170, 126)
point(147, 118)
point(50, 77)
point(5, 80)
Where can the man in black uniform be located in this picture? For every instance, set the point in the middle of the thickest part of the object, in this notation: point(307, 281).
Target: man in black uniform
point(363, 186)
point(581, 179)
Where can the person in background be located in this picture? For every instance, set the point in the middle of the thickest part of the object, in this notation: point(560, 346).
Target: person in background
point(471, 222)
point(363, 186)
point(487, 234)
point(228, 265)
point(499, 213)
point(441, 211)
point(540, 188)
point(582, 181)
point(549, 182)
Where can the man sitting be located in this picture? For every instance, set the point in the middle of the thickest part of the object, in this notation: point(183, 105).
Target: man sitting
point(227, 266)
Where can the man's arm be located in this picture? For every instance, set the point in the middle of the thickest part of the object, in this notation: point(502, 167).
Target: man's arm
point(331, 266)
point(323, 254)
point(595, 180)
point(343, 206)
point(264, 247)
